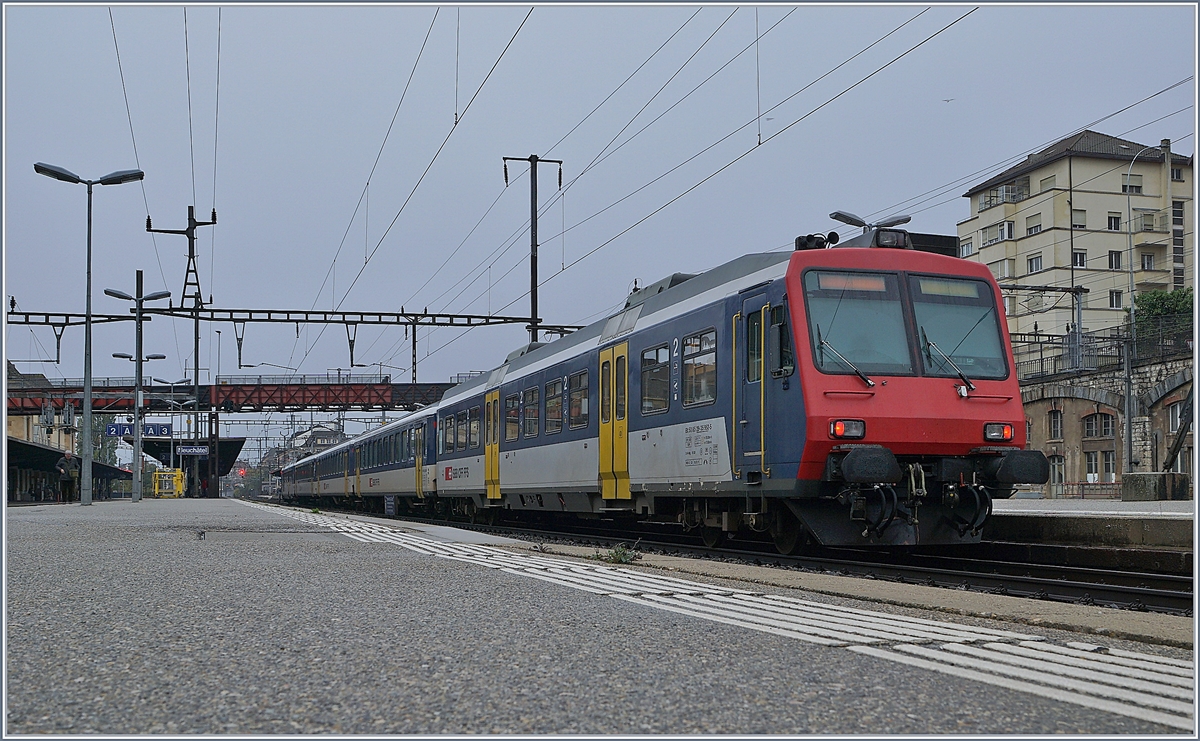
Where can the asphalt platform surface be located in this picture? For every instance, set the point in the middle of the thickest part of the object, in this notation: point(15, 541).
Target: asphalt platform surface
point(217, 617)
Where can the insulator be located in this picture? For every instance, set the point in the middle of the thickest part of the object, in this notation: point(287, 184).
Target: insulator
point(505, 173)
point(148, 227)
point(560, 177)
point(214, 216)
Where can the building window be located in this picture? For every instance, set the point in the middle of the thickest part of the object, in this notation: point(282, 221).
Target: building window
point(1091, 460)
point(1177, 213)
point(578, 401)
point(1098, 425)
point(532, 407)
point(966, 248)
point(1143, 221)
point(1054, 424)
point(1110, 465)
point(1046, 184)
point(1010, 305)
point(1177, 174)
point(1010, 192)
point(1114, 260)
point(1174, 411)
point(996, 233)
point(1034, 264)
point(1114, 299)
point(1114, 221)
point(1079, 258)
point(1056, 475)
point(1078, 218)
point(554, 406)
point(656, 382)
point(1004, 268)
point(700, 368)
point(1147, 261)
point(512, 417)
point(1131, 183)
point(1033, 224)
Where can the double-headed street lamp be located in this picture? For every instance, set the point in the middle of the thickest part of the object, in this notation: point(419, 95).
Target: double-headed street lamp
point(114, 178)
point(137, 300)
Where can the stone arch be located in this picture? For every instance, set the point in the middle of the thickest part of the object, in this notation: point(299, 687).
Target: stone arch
point(1100, 396)
point(1164, 387)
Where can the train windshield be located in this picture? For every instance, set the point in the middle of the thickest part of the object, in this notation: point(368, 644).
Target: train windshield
point(957, 327)
point(856, 321)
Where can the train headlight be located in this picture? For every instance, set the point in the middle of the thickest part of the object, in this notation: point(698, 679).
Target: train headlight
point(998, 431)
point(848, 429)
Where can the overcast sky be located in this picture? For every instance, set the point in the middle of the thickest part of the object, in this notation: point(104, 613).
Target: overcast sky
point(282, 130)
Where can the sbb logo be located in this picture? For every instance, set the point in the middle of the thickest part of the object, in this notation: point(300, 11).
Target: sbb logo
point(449, 473)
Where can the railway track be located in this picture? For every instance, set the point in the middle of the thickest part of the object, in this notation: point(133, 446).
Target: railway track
point(1075, 575)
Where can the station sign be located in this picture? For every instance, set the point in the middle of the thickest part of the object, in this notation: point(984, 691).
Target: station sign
point(150, 429)
point(191, 449)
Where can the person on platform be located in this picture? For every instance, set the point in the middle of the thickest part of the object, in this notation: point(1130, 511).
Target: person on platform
point(68, 473)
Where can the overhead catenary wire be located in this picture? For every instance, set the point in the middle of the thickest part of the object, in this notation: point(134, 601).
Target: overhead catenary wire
point(212, 233)
point(744, 154)
point(137, 160)
point(417, 185)
point(187, 63)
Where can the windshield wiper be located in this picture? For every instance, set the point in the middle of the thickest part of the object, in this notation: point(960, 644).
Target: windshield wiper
point(930, 343)
point(825, 343)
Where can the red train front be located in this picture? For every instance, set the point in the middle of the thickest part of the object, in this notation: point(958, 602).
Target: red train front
point(912, 410)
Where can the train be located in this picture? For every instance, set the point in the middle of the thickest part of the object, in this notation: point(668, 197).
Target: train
point(857, 392)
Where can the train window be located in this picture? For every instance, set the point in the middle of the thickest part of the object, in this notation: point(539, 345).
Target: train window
point(959, 317)
point(856, 321)
point(404, 445)
point(605, 391)
point(462, 431)
point(473, 428)
point(754, 347)
point(531, 412)
point(700, 368)
point(577, 386)
point(449, 434)
point(781, 358)
point(488, 412)
point(554, 406)
point(620, 392)
point(512, 417)
point(656, 380)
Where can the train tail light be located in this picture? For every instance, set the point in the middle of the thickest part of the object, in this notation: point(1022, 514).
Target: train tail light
point(998, 431)
point(848, 429)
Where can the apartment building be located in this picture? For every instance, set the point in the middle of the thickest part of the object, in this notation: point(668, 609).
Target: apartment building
point(1091, 210)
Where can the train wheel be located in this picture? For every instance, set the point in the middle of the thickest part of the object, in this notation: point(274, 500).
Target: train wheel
point(713, 537)
point(472, 512)
point(787, 532)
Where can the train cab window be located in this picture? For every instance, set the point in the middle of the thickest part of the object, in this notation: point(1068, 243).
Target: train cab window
point(554, 406)
point(621, 381)
point(532, 408)
point(957, 325)
point(700, 368)
point(856, 321)
point(656, 380)
point(779, 351)
point(462, 431)
point(512, 417)
point(578, 402)
point(473, 428)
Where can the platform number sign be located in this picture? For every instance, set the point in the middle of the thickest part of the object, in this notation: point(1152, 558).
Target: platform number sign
point(151, 429)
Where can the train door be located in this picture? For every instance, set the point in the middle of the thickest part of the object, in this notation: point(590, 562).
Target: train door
point(614, 422)
point(344, 462)
point(357, 463)
point(491, 445)
point(417, 441)
point(749, 352)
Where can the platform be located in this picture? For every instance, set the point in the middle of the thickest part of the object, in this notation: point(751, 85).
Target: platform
point(1093, 522)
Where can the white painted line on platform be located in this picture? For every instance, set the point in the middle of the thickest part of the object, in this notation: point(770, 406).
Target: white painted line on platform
point(1151, 688)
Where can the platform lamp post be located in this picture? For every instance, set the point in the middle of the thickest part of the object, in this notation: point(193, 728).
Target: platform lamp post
point(113, 178)
point(1132, 346)
point(173, 384)
point(137, 300)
